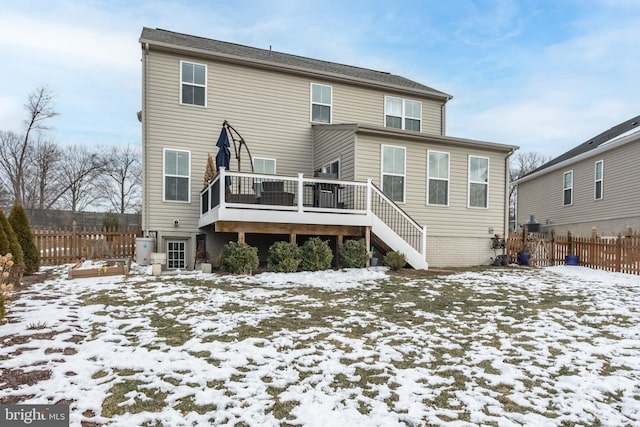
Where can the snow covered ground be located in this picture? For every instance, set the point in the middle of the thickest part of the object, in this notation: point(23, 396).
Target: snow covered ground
point(508, 347)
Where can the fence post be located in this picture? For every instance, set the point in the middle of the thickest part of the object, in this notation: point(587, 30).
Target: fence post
point(74, 246)
point(619, 253)
point(552, 249)
point(570, 249)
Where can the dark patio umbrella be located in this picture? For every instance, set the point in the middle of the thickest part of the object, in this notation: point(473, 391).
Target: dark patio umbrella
point(223, 158)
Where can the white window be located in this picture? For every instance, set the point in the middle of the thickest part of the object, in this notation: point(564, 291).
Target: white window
point(393, 172)
point(567, 187)
point(176, 254)
point(177, 175)
point(402, 113)
point(478, 182)
point(193, 87)
point(438, 178)
point(599, 176)
point(320, 103)
point(266, 166)
point(332, 168)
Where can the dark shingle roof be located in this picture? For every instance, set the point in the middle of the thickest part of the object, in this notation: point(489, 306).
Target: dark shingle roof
point(170, 38)
point(593, 143)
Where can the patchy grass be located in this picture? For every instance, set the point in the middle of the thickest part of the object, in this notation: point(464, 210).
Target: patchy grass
point(132, 396)
point(490, 346)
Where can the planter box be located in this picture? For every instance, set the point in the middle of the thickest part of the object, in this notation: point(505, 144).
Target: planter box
point(112, 267)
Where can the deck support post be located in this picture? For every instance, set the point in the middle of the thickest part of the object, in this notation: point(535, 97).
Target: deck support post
point(367, 243)
point(293, 238)
point(241, 237)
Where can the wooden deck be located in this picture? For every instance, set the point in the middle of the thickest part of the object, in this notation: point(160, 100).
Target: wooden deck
point(274, 204)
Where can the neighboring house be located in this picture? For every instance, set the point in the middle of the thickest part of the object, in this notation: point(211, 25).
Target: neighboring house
point(591, 185)
point(336, 151)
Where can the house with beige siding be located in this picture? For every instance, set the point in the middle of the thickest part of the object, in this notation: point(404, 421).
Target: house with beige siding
point(317, 149)
point(591, 185)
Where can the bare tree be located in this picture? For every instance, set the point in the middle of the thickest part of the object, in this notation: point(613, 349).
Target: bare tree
point(46, 157)
point(13, 164)
point(79, 170)
point(5, 197)
point(122, 179)
point(521, 164)
point(16, 149)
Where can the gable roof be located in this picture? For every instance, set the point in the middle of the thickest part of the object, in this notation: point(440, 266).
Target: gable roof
point(171, 39)
point(592, 143)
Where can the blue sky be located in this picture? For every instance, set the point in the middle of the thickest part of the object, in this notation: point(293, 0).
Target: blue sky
point(544, 75)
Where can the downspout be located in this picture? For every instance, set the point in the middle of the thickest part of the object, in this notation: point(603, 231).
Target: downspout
point(145, 168)
point(506, 191)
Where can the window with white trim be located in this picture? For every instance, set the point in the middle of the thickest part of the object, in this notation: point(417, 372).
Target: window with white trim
point(321, 97)
point(332, 168)
point(193, 87)
point(402, 113)
point(177, 175)
point(598, 180)
point(567, 188)
point(393, 172)
point(176, 254)
point(437, 178)
point(478, 182)
point(266, 166)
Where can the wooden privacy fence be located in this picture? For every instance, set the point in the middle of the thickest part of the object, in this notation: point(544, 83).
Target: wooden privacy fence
point(620, 253)
point(67, 246)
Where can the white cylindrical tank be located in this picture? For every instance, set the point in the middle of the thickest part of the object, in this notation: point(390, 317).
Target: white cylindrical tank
point(144, 247)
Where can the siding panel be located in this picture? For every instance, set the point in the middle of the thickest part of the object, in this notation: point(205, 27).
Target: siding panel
point(542, 196)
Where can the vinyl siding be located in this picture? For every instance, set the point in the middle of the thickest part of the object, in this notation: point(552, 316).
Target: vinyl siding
point(331, 144)
point(542, 196)
point(270, 109)
point(456, 219)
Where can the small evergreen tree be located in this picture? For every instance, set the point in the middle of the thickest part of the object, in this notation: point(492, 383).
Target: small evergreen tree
point(20, 224)
point(4, 240)
point(11, 243)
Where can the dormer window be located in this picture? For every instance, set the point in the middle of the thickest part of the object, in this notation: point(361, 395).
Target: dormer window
point(402, 113)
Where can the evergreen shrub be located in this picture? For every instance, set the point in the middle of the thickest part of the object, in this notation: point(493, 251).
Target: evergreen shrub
point(353, 254)
point(284, 257)
point(395, 260)
point(316, 255)
point(238, 258)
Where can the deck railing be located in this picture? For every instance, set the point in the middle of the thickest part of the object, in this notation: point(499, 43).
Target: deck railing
point(319, 195)
point(276, 192)
point(396, 219)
